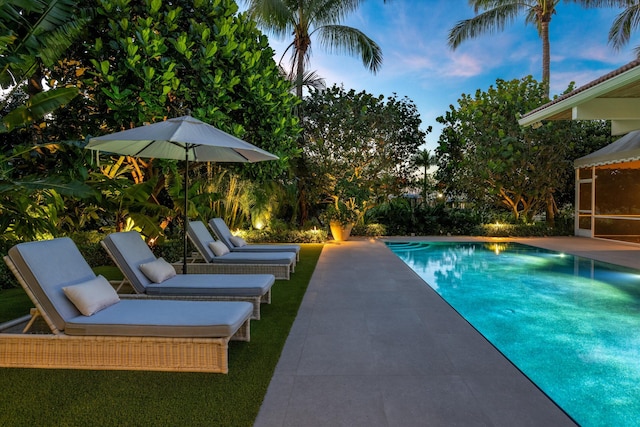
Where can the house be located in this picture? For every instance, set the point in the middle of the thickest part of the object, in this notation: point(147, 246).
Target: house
point(608, 180)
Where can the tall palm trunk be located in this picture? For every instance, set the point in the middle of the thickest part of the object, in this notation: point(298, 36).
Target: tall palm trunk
point(299, 75)
point(301, 43)
point(424, 184)
point(546, 56)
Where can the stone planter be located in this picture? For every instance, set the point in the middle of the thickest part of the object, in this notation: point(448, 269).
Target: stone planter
point(340, 231)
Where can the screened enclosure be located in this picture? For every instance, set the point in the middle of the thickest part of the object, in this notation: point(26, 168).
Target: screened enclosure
point(608, 191)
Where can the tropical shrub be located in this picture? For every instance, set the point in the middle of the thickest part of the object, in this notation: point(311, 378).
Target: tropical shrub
point(396, 215)
point(369, 230)
point(284, 236)
point(142, 62)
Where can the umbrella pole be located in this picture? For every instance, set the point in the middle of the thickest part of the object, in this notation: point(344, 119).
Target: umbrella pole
point(186, 218)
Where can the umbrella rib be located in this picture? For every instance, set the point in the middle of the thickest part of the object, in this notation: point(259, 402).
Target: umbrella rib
point(144, 148)
point(187, 146)
point(244, 157)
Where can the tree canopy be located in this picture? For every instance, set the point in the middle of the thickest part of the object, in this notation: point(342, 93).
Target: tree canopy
point(359, 146)
point(485, 156)
point(146, 61)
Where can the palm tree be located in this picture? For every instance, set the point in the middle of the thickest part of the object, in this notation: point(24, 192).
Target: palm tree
point(305, 18)
point(495, 14)
point(625, 22)
point(423, 159)
point(310, 79)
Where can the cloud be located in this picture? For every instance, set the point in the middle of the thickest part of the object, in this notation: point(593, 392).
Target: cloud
point(597, 52)
point(462, 65)
point(560, 80)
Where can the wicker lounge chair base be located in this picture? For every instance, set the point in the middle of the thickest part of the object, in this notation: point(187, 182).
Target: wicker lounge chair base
point(280, 271)
point(59, 350)
point(116, 353)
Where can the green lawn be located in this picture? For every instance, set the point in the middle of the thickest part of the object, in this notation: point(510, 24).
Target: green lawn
point(79, 398)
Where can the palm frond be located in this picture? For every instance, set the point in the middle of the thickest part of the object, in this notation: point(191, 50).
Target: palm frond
point(12, 11)
point(310, 79)
point(62, 185)
point(340, 38)
point(327, 12)
point(488, 22)
point(274, 16)
point(625, 22)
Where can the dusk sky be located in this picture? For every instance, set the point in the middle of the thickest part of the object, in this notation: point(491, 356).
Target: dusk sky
point(419, 64)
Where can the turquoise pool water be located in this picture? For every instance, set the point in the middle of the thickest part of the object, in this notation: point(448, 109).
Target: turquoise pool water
point(571, 324)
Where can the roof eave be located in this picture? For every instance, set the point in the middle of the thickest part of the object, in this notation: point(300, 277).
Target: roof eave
point(563, 109)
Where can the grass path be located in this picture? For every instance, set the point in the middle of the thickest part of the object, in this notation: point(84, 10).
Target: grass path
point(107, 398)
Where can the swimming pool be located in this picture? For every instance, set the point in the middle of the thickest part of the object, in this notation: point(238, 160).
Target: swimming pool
point(571, 324)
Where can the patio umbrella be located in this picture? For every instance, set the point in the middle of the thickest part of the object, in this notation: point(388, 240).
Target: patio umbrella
point(180, 138)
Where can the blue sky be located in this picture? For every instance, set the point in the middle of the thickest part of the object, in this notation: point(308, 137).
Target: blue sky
point(419, 64)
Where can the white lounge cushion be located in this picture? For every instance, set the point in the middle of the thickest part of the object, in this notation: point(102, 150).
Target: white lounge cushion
point(219, 248)
point(158, 271)
point(92, 296)
point(237, 241)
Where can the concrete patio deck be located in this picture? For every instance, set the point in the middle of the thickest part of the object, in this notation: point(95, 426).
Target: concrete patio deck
point(373, 345)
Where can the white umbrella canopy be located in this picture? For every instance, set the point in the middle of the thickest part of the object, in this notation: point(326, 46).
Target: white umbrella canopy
point(180, 138)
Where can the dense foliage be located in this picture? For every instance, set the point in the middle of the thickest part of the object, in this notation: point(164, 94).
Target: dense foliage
point(116, 64)
point(141, 62)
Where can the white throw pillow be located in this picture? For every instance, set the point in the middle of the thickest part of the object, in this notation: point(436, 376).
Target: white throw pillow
point(237, 241)
point(158, 271)
point(92, 296)
point(219, 248)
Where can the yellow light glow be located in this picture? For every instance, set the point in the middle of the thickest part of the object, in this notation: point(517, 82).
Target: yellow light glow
point(497, 247)
point(259, 225)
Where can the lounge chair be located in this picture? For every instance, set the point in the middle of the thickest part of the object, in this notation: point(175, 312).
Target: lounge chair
point(281, 264)
point(125, 334)
point(133, 257)
point(234, 244)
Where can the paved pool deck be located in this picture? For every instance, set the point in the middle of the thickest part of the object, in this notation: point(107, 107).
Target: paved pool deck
point(373, 345)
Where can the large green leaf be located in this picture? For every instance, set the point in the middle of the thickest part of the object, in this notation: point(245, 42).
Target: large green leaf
point(61, 185)
point(37, 107)
point(46, 29)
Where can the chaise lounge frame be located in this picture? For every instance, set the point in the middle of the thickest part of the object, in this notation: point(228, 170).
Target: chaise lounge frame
point(127, 272)
point(198, 263)
point(222, 232)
